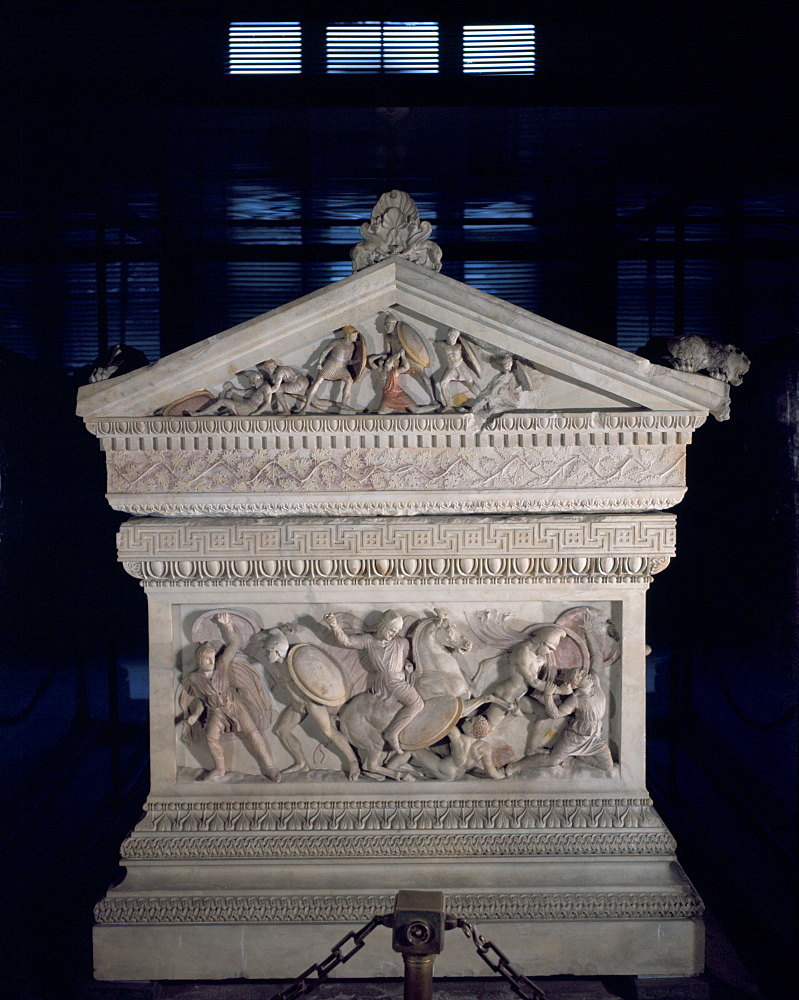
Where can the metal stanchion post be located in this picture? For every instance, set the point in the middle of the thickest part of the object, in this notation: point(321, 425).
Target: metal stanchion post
point(418, 934)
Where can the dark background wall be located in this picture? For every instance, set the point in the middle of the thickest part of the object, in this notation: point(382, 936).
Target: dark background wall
point(642, 181)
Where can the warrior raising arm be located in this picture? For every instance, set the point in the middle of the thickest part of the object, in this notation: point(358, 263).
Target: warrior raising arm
point(387, 654)
point(232, 704)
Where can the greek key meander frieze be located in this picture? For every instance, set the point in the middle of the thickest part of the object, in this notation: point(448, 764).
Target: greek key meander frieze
point(623, 550)
point(397, 815)
point(242, 538)
point(529, 430)
point(350, 908)
point(567, 500)
point(280, 572)
point(459, 845)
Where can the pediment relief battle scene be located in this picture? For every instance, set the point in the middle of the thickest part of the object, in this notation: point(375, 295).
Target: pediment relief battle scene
point(387, 366)
point(432, 345)
point(405, 694)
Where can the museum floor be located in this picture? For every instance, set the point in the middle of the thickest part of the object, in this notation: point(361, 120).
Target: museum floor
point(706, 987)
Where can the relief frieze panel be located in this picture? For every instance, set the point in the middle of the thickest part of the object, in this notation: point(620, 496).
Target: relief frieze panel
point(407, 695)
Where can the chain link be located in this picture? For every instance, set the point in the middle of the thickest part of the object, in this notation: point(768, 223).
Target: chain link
point(521, 985)
point(304, 984)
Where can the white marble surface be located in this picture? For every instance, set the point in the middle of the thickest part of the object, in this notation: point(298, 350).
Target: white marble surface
point(285, 519)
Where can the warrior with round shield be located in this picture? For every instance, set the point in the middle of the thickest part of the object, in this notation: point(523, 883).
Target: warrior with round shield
point(315, 686)
point(400, 338)
point(344, 360)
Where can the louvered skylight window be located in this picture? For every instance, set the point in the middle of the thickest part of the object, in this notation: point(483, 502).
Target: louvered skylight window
point(382, 47)
point(265, 47)
point(499, 49)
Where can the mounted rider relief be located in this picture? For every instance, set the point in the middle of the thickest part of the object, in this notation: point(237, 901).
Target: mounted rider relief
point(398, 693)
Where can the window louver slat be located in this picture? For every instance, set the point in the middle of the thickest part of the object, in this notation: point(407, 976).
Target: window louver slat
point(644, 302)
point(382, 47)
point(265, 47)
point(517, 281)
point(499, 49)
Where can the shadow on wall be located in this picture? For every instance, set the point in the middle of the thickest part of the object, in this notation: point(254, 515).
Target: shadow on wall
point(74, 712)
point(724, 627)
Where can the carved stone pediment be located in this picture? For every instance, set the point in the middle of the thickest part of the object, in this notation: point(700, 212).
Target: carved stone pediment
point(497, 410)
point(574, 372)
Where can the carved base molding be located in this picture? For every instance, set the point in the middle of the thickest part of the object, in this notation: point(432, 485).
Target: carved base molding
point(388, 814)
point(353, 908)
point(228, 917)
point(348, 829)
point(276, 883)
point(433, 845)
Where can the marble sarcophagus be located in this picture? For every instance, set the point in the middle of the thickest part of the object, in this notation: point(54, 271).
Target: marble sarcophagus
point(396, 539)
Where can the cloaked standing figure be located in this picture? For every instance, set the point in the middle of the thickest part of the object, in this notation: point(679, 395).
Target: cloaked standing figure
point(233, 698)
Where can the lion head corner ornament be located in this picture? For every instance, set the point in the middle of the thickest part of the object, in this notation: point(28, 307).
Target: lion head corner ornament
point(395, 230)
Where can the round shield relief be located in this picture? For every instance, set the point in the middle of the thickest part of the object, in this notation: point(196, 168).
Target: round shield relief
point(608, 643)
point(414, 345)
point(571, 653)
point(432, 724)
point(469, 355)
point(205, 629)
point(357, 363)
point(187, 406)
point(317, 675)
